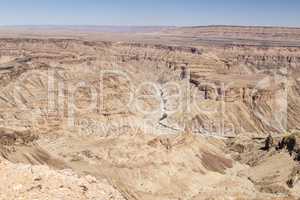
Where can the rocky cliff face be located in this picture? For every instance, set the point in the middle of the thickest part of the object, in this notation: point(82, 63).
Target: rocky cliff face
point(251, 88)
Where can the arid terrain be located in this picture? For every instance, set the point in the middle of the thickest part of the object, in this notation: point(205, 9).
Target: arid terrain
point(150, 113)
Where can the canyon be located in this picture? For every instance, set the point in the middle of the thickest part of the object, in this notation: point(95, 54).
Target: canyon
point(150, 113)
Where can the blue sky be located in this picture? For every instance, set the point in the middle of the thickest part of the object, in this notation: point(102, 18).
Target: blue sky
point(150, 12)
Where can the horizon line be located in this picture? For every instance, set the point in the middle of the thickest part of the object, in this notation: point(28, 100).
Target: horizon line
point(149, 26)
